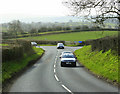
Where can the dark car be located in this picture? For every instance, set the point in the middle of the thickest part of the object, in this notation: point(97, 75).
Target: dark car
point(60, 46)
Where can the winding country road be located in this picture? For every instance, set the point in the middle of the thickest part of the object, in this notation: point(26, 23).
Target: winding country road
point(48, 76)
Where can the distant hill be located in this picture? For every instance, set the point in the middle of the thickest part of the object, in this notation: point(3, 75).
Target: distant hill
point(45, 19)
point(52, 19)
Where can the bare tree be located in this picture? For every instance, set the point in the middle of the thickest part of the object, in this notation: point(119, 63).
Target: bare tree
point(15, 27)
point(98, 10)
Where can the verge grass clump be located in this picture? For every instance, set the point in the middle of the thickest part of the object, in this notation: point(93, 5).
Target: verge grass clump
point(102, 64)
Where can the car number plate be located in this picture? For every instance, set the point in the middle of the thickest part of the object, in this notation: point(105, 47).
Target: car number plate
point(68, 63)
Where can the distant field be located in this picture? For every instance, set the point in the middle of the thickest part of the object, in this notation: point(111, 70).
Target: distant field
point(78, 36)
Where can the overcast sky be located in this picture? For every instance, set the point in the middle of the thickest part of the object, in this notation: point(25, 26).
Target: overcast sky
point(17, 9)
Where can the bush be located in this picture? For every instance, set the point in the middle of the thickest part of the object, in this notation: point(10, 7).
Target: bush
point(16, 50)
point(105, 44)
point(12, 53)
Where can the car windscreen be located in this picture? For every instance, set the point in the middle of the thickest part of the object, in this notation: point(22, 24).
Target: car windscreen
point(67, 52)
point(60, 44)
point(68, 56)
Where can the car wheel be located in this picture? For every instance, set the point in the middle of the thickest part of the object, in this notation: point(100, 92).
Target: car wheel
point(62, 64)
point(74, 64)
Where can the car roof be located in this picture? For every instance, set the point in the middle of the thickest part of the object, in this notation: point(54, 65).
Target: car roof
point(33, 42)
point(60, 43)
point(66, 51)
point(68, 54)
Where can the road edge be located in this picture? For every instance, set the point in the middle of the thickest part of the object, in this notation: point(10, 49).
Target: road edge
point(99, 77)
point(7, 83)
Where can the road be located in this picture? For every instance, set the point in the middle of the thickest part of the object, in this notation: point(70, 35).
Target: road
point(47, 76)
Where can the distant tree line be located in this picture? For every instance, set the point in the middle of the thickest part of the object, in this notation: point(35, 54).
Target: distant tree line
point(16, 27)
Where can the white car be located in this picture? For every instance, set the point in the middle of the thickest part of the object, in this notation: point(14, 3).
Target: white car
point(68, 60)
point(65, 52)
point(33, 43)
point(60, 46)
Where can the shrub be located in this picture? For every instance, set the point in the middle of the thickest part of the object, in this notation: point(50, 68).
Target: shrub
point(16, 50)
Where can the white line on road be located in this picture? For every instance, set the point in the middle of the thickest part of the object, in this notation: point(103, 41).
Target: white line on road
point(56, 78)
point(54, 71)
point(55, 59)
point(67, 89)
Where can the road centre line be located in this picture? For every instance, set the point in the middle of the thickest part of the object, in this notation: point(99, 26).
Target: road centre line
point(66, 88)
point(54, 71)
point(55, 60)
point(56, 78)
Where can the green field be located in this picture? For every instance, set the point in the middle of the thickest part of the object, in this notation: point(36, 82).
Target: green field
point(77, 36)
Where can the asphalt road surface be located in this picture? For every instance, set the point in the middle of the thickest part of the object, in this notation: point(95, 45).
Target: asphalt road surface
point(48, 76)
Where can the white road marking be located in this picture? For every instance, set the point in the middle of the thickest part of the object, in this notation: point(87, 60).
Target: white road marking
point(56, 78)
point(54, 65)
point(55, 59)
point(54, 71)
point(67, 89)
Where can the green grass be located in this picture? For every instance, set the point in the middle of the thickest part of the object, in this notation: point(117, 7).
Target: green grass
point(72, 45)
point(78, 36)
point(4, 31)
point(4, 45)
point(102, 64)
point(49, 32)
point(11, 67)
point(53, 32)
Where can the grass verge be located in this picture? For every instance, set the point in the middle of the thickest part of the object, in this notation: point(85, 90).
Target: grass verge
point(3, 44)
point(103, 65)
point(10, 68)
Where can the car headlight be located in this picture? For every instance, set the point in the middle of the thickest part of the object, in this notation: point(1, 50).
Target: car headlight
point(63, 61)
